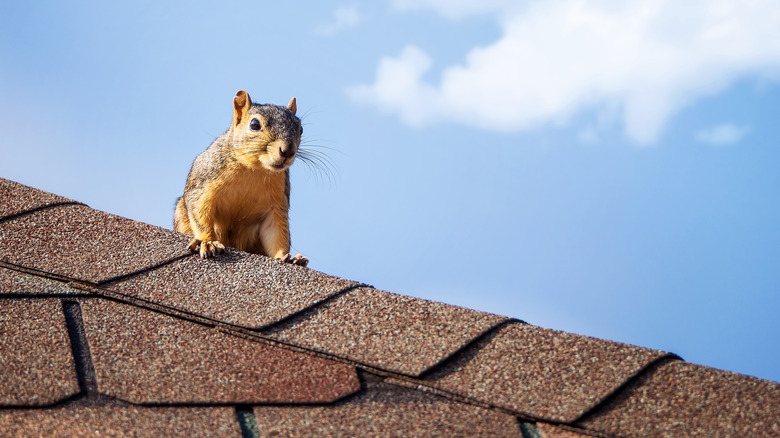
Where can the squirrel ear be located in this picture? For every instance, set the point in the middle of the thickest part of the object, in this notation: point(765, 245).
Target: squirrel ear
point(292, 106)
point(241, 104)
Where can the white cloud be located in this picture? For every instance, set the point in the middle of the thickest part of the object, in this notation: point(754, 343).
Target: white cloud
point(556, 59)
point(398, 87)
point(344, 17)
point(722, 135)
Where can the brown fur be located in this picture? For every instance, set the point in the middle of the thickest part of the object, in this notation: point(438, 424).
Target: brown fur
point(238, 190)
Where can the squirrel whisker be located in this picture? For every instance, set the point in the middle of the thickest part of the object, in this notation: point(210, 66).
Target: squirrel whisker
point(319, 163)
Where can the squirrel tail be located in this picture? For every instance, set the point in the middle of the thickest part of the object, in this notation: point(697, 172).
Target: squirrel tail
point(181, 221)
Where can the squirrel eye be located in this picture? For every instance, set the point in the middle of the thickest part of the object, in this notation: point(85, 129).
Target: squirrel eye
point(254, 125)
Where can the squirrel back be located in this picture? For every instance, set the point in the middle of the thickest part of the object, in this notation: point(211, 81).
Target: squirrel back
point(238, 190)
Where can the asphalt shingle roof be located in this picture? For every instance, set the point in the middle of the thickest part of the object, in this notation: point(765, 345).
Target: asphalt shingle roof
point(241, 289)
point(542, 373)
point(110, 326)
point(388, 331)
point(182, 356)
point(677, 397)
point(17, 198)
point(386, 408)
point(77, 242)
point(118, 420)
point(37, 365)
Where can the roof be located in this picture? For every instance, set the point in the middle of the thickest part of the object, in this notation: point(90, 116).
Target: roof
point(110, 326)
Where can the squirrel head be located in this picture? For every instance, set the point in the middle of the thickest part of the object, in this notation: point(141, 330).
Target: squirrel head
point(265, 136)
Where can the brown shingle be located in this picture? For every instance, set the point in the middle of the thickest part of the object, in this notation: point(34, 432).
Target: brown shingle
point(542, 373)
point(683, 399)
point(146, 357)
point(386, 410)
point(78, 242)
point(36, 364)
point(549, 431)
point(237, 288)
point(15, 282)
point(17, 198)
point(122, 421)
point(388, 331)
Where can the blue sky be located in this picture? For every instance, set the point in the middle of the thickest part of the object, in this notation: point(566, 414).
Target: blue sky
point(605, 168)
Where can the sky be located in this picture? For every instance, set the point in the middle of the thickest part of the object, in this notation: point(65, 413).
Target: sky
point(608, 168)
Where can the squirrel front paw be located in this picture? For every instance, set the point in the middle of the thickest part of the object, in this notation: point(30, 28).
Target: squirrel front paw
point(298, 259)
point(207, 248)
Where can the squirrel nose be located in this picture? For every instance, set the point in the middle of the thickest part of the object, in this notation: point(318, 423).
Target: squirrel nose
point(287, 151)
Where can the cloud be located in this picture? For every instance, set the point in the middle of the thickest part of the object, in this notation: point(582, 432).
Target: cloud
point(559, 58)
point(344, 17)
point(398, 87)
point(722, 135)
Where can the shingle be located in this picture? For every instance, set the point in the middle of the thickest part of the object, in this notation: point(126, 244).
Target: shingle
point(78, 242)
point(542, 373)
point(237, 288)
point(545, 430)
point(388, 331)
point(145, 357)
point(15, 282)
point(120, 422)
point(17, 198)
point(683, 399)
point(386, 410)
point(36, 365)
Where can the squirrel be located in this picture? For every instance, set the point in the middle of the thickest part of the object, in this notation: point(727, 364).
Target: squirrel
point(238, 190)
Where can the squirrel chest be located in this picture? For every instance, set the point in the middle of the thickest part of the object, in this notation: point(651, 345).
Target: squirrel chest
point(243, 202)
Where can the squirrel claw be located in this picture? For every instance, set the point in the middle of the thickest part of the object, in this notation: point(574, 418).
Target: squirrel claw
point(298, 259)
point(207, 249)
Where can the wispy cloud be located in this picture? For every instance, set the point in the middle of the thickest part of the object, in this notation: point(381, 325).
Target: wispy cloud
point(344, 17)
point(722, 135)
point(558, 58)
point(458, 9)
